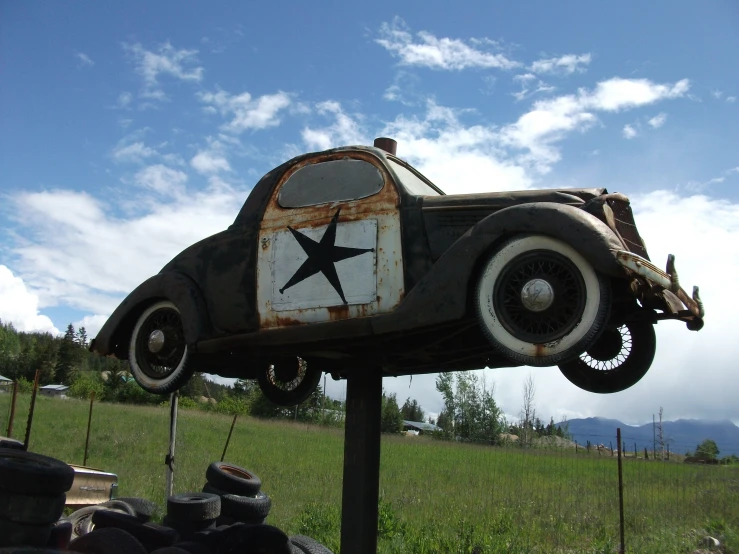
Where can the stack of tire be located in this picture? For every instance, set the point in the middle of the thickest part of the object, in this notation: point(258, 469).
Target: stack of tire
point(239, 490)
point(32, 497)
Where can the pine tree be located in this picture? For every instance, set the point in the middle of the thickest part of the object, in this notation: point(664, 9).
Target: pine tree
point(391, 419)
point(67, 357)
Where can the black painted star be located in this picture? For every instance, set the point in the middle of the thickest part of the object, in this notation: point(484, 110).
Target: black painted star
point(322, 257)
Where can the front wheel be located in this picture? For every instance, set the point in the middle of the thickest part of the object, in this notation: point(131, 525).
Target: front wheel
point(540, 302)
point(158, 354)
point(616, 361)
point(289, 382)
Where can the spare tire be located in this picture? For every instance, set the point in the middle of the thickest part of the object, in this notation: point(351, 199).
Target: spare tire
point(193, 506)
point(30, 473)
point(307, 545)
point(107, 541)
point(233, 479)
point(31, 508)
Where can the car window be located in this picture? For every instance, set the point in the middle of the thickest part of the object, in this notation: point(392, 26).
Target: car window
point(412, 182)
point(331, 181)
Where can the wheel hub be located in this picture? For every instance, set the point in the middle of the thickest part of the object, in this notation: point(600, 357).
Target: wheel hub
point(607, 347)
point(286, 371)
point(537, 295)
point(156, 341)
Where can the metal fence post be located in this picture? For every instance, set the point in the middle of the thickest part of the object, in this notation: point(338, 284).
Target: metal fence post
point(622, 547)
point(27, 440)
point(89, 423)
point(169, 460)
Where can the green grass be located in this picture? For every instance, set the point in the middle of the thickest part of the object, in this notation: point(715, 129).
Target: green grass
point(436, 497)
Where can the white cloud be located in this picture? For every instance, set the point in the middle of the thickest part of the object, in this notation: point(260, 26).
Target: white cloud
point(162, 180)
point(717, 94)
point(658, 120)
point(538, 130)
point(731, 99)
point(124, 99)
point(208, 161)
point(564, 65)
point(133, 152)
point(247, 112)
point(629, 132)
point(345, 129)
point(84, 60)
point(79, 253)
point(528, 90)
point(92, 324)
point(426, 50)
point(19, 306)
point(165, 60)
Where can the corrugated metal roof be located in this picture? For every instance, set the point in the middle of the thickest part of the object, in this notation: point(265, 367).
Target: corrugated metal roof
point(422, 425)
point(55, 387)
point(4, 378)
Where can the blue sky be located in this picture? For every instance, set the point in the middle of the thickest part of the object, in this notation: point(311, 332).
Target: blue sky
point(128, 132)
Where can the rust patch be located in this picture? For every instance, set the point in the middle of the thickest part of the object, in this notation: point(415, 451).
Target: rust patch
point(286, 321)
point(539, 350)
point(337, 313)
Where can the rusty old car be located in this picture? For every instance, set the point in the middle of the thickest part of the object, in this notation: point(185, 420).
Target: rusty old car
point(350, 258)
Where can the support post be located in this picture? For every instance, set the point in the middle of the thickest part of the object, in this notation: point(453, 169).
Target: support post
point(228, 439)
point(169, 460)
point(9, 434)
point(361, 484)
point(622, 548)
point(89, 424)
point(27, 440)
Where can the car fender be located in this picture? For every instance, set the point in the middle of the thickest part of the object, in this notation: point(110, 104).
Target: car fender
point(179, 289)
point(442, 294)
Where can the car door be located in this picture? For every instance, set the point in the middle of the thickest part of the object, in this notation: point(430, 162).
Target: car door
point(330, 242)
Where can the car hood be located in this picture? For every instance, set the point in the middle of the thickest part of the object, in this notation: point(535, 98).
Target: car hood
point(498, 200)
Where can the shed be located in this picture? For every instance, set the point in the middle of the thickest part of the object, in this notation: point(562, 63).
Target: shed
point(55, 391)
point(420, 426)
point(5, 384)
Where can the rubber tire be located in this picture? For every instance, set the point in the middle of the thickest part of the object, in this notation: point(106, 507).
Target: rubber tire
point(636, 365)
point(150, 535)
point(82, 519)
point(23, 534)
point(31, 508)
point(31, 473)
point(189, 529)
point(30, 550)
point(193, 506)
point(307, 545)
point(246, 509)
point(189, 547)
point(253, 538)
point(300, 394)
point(595, 315)
point(142, 508)
point(107, 541)
point(233, 479)
point(61, 534)
point(177, 378)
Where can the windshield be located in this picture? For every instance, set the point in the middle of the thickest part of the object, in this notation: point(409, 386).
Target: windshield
point(411, 181)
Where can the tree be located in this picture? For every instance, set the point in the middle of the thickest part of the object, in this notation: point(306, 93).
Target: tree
point(528, 414)
point(412, 410)
point(708, 450)
point(67, 357)
point(82, 337)
point(391, 419)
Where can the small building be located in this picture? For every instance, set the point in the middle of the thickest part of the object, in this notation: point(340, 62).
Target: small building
point(419, 427)
point(54, 391)
point(5, 384)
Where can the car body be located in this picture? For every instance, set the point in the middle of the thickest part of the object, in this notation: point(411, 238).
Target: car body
point(350, 258)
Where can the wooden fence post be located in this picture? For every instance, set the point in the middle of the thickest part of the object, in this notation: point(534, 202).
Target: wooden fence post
point(27, 440)
point(12, 410)
point(89, 423)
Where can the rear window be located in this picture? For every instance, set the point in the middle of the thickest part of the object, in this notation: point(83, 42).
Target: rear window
point(331, 181)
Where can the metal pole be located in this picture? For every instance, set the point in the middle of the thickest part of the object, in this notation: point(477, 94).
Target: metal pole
point(361, 484)
point(169, 460)
point(12, 410)
point(323, 404)
point(30, 411)
point(89, 423)
point(223, 456)
point(622, 547)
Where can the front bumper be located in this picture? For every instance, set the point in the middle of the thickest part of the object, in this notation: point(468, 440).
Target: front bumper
point(650, 282)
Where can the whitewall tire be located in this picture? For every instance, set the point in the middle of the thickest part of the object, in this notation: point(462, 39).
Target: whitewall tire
point(540, 302)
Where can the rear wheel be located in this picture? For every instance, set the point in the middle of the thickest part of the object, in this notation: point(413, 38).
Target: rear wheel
point(616, 361)
point(158, 352)
point(540, 302)
point(289, 382)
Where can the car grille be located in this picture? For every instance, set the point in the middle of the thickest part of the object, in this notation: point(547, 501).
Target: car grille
point(626, 227)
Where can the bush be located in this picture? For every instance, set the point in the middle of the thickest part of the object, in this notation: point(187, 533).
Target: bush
point(85, 383)
point(321, 522)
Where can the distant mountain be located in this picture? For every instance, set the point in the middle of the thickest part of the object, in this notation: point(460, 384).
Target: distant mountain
point(680, 435)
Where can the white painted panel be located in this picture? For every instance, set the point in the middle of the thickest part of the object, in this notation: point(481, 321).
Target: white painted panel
point(357, 275)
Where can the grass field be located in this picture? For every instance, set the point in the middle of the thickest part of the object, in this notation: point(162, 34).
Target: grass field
point(435, 497)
